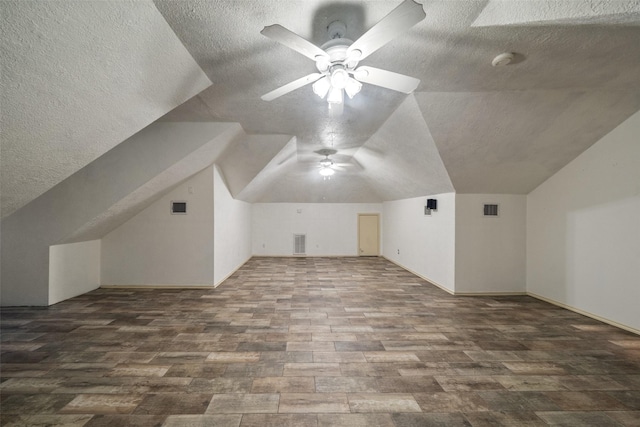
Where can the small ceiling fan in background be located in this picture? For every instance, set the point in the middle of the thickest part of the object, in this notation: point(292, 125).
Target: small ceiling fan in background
point(338, 59)
point(333, 162)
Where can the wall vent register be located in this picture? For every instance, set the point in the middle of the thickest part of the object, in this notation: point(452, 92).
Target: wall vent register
point(178, 207)
point(490, 210)
point(299, 244)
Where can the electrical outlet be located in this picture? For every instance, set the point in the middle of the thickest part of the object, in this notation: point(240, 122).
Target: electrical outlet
point(398, 251)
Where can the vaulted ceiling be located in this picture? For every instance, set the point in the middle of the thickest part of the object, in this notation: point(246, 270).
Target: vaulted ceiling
point(79, 78)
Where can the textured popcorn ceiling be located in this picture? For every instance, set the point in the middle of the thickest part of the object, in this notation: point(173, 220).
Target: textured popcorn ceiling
point(78, 78)
point(495, 130)
point(81, 77)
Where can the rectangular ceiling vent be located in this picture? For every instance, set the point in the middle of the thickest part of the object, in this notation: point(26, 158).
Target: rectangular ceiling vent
point(299, 244)
point(490, 210)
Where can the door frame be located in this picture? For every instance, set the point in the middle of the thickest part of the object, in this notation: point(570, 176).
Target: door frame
point(377, 215)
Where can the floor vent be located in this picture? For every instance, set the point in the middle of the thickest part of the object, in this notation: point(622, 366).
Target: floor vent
point(490, 210)
point(299, 244)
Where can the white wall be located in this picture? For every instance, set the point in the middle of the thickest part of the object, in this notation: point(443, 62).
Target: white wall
point(583, 230)
point(158, 248)
point(74, 269)
point(331, 228)
point(232, 230)
point(490, 251)
point(426, 243)
point(98, 198)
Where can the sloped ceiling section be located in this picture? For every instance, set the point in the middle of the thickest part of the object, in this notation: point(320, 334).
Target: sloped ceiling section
point(509, 12)
point(511, 141)
point(207, 140)
point(100, 197)
point(279, 164)
point(246, 157)
point(495, 129)
point(401, 160)
point(78, 78)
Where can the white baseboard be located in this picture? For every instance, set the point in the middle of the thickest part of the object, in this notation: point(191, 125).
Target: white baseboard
point(152, 286)
point(490, 294)
point(305, 256)
point(215, 285)
point(585, 313)
point(431, 282)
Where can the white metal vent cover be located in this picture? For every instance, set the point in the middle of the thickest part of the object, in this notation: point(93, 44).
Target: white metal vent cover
point(490, 209)
point(299, 244)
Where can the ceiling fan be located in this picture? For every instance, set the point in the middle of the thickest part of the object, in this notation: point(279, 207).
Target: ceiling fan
point(338, 59)
point(328, 166)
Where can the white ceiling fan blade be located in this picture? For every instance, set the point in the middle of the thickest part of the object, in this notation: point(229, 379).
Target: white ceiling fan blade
point(386, 79)
point(399, 20)
point(293, 41)
point(289, 87)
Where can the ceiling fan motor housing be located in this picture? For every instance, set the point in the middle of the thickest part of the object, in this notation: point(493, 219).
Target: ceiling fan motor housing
point(336, 50)
point(336, 30)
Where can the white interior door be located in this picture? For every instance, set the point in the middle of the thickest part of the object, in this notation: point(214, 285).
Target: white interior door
point(368, 235)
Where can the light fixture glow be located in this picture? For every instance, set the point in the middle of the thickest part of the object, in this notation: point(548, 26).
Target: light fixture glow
point(339, 78)
point(321, 87)
point(353, 87)
point(335, 96)
point(326, 171)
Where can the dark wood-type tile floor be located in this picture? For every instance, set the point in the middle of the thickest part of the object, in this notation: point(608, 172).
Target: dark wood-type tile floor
point(314, 342)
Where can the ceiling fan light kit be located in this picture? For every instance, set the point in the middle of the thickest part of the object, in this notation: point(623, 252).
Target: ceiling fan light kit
point(326, 172)
point(321, 87)
point(337, 60)
point(326, 164)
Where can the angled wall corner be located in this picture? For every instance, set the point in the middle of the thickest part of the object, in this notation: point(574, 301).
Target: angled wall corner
point(74, 269)
point(98, 198)
point(231, 230)
point(583, 231)
point(424, 245)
